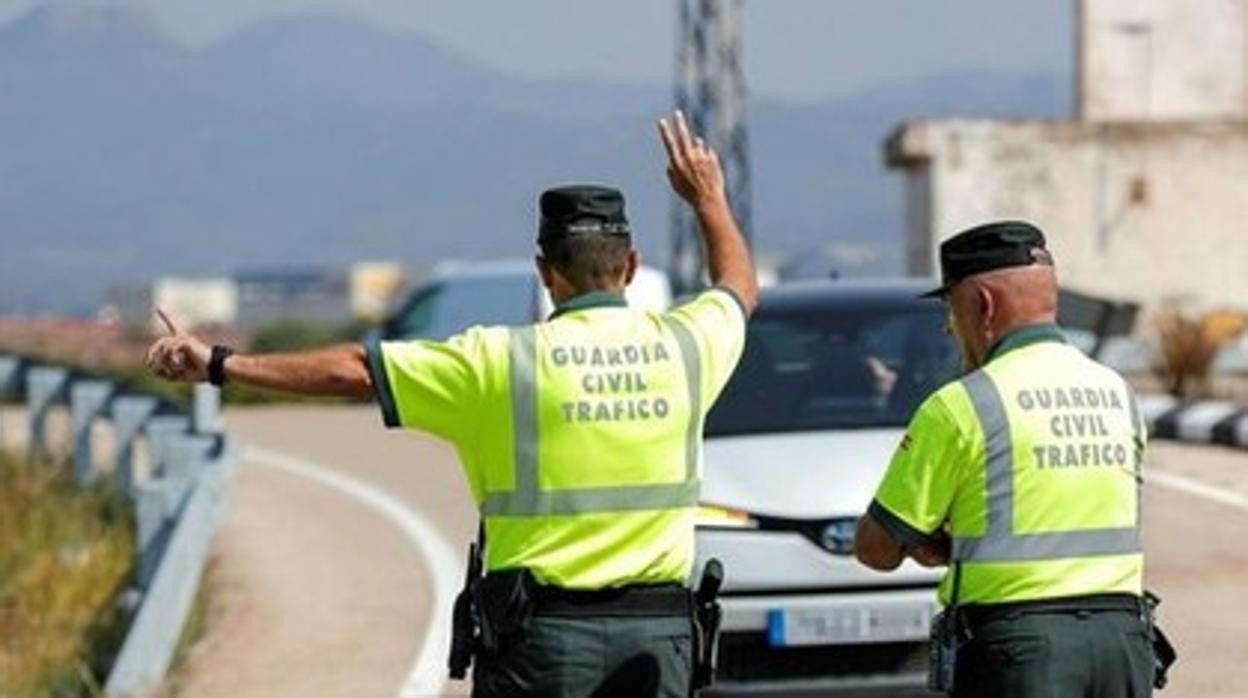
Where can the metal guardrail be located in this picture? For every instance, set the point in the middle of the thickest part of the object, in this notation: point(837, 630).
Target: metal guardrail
point(178, 505)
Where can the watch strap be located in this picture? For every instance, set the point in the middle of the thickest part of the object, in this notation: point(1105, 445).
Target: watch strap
point(216, 364)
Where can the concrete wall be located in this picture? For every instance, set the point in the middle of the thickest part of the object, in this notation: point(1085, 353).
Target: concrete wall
point(1133, 211)
point(1162, 59)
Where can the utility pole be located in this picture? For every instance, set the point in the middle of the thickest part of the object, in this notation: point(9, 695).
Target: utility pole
point(710, 89)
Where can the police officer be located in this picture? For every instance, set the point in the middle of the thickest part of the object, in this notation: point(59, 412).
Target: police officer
point(580, 438)
point(1026, 474)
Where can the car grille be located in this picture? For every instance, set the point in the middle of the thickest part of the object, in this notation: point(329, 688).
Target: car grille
point(749, 657)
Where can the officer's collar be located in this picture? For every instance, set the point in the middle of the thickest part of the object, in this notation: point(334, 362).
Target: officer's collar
point(1026, 336)
point(586, 301)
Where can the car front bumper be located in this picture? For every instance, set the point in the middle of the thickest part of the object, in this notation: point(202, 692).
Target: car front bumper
point(750, 662)
point(766, 573)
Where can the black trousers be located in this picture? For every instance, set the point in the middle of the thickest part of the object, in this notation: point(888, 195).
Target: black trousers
point(1085, 654)
point(565, 657)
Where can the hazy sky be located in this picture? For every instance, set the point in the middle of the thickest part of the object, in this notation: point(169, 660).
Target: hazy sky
point(794, 48)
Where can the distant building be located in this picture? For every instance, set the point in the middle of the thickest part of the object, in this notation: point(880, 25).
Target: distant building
point(193, 301)
point(1144, 194)
point(198, 301)
point(258, 297)
point(311, 296)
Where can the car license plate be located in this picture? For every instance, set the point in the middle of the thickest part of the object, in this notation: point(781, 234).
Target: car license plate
point(848, 624)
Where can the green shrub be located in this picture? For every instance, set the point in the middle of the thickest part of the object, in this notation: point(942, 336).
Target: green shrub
point(293, 335)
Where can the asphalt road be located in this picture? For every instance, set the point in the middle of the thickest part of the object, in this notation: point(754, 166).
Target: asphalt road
point(321, 591)
point(317, 590)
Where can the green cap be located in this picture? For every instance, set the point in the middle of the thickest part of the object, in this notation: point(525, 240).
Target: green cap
point(582, 209)
point(988, 247)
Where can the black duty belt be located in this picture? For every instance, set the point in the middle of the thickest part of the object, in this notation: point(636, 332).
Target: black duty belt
point(979, 614)
point(651, 600)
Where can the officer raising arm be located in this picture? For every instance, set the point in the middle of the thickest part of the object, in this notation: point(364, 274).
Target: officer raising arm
point(580, 438)
point(1025, 475)
point(695, 174)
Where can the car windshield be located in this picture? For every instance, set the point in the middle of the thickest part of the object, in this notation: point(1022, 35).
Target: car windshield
point(835, 367)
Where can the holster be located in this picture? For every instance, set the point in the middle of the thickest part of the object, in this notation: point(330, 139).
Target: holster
point(946, 640)
point(1164, 654)
point(465, 617)
point(707, 618)
point(505, 603)
point(948, 635)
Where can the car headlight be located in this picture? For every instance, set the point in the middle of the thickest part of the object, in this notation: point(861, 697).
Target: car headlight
point(837, 536)
point(713, 516)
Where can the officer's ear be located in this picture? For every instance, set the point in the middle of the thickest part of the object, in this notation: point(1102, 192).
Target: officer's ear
point(987, 306)
point(544, 270)
point(631, 265)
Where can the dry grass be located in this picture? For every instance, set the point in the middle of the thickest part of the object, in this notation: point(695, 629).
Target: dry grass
point(65, 555)
point(1188, 346)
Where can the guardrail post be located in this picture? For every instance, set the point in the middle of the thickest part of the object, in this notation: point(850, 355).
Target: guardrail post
point(44, 386)
point(9, 366)
point(130, 414)
point(206, 411)
point(187, 457)
point(152, 514)
point(87, 400)
point(160, 432)
point(159, 502)
point(222, 469)
point(10, 371)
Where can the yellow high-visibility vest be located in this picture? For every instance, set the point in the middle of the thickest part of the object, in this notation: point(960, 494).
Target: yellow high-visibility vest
point(1033, 464)
point(580, 436)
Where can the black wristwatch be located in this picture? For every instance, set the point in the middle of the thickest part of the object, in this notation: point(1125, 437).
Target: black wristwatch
point(216, 364)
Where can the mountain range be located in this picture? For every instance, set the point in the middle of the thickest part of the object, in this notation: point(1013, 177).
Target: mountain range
point(317, 140)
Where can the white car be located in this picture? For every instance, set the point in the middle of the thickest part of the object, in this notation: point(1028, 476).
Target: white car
point(795, 447)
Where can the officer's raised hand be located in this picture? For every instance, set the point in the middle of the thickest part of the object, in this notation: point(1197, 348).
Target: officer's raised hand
point(692, 166)
point(696, 176)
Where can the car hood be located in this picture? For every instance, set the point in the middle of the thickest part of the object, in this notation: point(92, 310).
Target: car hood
point(802, 475)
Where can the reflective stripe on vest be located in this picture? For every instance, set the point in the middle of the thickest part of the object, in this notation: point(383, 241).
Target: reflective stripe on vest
point(1000, 543)
point(1138, 428)
point(528, 499)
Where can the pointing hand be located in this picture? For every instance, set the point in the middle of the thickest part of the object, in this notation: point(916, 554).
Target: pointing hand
point(180, 356)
